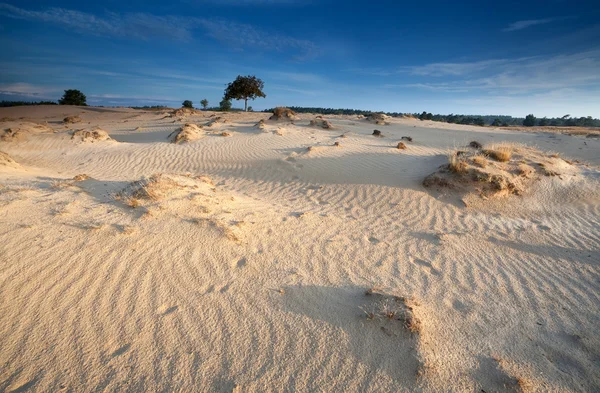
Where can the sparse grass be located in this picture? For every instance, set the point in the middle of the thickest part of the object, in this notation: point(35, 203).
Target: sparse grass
point(81, 177)
point(225, 133)
point(501, 153)
point(132, 202)
point(392, 308)
point(58, 184)
point(456, 164)
point(480, 160)
point(401, 146)
point(71, 119)
point(525, 170)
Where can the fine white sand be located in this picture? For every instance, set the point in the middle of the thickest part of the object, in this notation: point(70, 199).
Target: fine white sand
point(238, 258)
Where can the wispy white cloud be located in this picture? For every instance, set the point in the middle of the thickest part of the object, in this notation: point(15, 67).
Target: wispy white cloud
point(520, 76)
point(27, 90)
point(523, 24)
point(134, 25)
point(240, 36)
point(453, 69)
point(144, 26)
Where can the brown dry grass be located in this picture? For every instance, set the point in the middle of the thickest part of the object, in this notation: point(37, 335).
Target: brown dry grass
point(457, 164)
point(501, 153)
point(71, 119)
point(401, 146)
point(480, 161)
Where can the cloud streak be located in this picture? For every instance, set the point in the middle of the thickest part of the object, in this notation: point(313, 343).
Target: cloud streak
point(521, 76)
point(144, 26)
point(523, 24)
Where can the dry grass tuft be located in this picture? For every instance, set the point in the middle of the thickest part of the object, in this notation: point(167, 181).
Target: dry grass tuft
point(225, 133)
point(392, 308)
point(501, 153)
point(283, 113)
point(475, 145)
point(132, 202)
point(188, 133)
point(320, 122)
point(480, 161)
point(91, 136)
point(72, 119)
point(81, 177)
point(525, 170)
point(401, 146)
point(457, 164)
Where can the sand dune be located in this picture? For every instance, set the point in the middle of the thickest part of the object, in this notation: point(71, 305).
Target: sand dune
point(244, 263)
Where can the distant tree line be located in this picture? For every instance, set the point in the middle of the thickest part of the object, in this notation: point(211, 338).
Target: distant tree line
point(483, 120)
point(23, 103)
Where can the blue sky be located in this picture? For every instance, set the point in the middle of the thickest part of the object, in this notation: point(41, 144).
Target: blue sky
point(470, 57)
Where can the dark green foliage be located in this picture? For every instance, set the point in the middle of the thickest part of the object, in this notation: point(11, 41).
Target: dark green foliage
point(245, 88)
point(204, 103)
point(425, 116)
point(250, 109)
point(529, 121)
point(73, 97)
point(187, 104)
point(496, 123)
point(225, 105)
point(543, 122)
point(24, 103)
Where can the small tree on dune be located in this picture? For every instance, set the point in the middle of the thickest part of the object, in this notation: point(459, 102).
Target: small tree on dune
point(187, 104)
point(73, 97)
point(244, 88)
point(204, 103)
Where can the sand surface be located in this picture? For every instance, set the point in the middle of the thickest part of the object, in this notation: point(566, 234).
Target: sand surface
point(237, 259)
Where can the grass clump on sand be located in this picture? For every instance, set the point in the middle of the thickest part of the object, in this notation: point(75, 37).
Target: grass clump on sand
point(283, 113)
point(96, 135)
point(456, 163)
point(511, 171)
point(72, 119)
point(188, 133)
point(500, 153)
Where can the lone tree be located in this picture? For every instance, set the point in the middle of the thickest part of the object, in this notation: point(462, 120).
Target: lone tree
point(529, 121)
point(73, 97)
point(204, 103)
point(187, 104)
point(244, 88)
point(225, 105)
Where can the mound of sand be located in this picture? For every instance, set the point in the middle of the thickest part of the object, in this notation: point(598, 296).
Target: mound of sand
point(184, 112)
point(20, 131)
point(96, 135)
point(497, 170)
point(6, 161)
point(188, 133)
point(72, 119)
point(283, 113)
point(260, 125)
point(378, 118)
point(160, 186)
point(320, 122)
point(216, 121)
